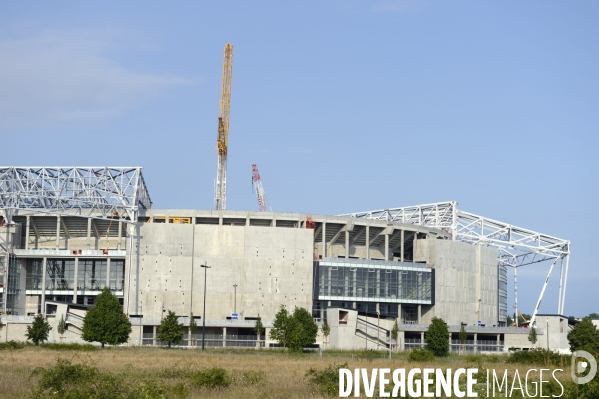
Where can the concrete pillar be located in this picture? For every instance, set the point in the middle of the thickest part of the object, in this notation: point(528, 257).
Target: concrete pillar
point(401, 246)
point(386, 246)
point(108, 272)
point(367, 242)
point(57, 232)
point(118, 244)
point(224, 337)
point(419, 315)
point(475, 343)
point(44, 286)
point(324, 239)
point(154, 335)
point(27, 233)
point(498, 342)
point(75, 280)
point(422, 339)
point(89, 233)
point(399, 321)
point(347, 244)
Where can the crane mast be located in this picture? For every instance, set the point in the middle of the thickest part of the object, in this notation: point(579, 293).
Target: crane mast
point(222, 142)
point(257, 185)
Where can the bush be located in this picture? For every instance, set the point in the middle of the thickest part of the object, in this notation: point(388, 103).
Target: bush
point(12, 345)
point(421, 355)
point(215, 377)
point(326, 380)
point(70, 347)
point(540, 357)
point(437, 337)
point(584, 336)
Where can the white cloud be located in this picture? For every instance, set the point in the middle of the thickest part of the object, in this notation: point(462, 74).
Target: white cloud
point(55, 79)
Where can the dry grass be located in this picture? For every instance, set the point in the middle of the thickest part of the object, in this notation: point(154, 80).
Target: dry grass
point(284, 373)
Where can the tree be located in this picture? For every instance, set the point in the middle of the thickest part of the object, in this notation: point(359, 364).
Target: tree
point(106, 323)
point(594, 316)
point(523, 318)
point(279, 331)
point(193, 327)
point(62, 327)
point(39, 330)
point(302, 330)
point(437, 337)
point(326, 329)
point(532, 336)
point(259, 328)
point(509, 321)
point(395, 332)
point(170, 330)
point(584, 336)
point(463, 335)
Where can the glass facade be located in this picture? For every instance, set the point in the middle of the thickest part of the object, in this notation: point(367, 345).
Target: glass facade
point(117, 275)
point(91, 274)
point(363, 280)
point(60, 274)
point(502, 290)
point(33, 274)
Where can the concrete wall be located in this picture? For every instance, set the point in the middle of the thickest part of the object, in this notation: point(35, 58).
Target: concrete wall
point(465, 281)
point(271, 266)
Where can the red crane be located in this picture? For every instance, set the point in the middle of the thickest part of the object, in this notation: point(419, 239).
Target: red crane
point(257, 188)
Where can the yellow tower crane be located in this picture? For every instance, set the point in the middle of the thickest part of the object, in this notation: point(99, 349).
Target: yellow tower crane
point(222, 142)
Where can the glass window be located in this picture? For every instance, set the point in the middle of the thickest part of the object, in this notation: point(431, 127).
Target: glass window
point(33, 274)
point(91, 275)
point(117, 275)
point(60, 274)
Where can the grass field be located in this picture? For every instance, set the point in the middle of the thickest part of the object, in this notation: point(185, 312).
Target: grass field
point(253, 373)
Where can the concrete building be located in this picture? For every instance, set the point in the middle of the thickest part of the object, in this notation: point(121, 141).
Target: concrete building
point(360, 273)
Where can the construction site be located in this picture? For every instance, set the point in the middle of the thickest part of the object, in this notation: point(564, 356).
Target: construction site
point(68, 232)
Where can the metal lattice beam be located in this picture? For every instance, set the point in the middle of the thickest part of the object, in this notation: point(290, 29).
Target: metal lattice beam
point(516, 246)
point(94, 192)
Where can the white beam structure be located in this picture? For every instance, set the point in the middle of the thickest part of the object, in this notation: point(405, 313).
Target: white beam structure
point(516, 246)
point(93, 192)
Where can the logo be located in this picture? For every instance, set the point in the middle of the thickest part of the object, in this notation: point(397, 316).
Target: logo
point(581, 366)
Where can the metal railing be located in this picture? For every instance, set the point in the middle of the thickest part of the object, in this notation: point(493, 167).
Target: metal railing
point(470, 346)
point(210, 340)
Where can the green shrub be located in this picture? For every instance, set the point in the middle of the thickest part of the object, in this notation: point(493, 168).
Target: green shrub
point(540, 357)
point(421, 355)
point(326, 380)
point(12, 345)
point(70, 347)
point(215, 377)
point(251, 377)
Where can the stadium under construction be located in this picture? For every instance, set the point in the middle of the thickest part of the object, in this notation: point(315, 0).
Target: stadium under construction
point(67, 232)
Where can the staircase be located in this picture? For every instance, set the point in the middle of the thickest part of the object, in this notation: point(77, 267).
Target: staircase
point(375, 335)
point(76, 321)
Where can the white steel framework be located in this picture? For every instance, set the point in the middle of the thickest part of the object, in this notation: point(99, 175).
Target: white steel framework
point(94, 192)
point(516, 246)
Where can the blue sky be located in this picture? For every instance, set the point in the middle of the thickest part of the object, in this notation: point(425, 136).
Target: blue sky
point(344, 105)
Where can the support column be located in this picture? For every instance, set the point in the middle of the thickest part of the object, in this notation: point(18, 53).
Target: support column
point(324, 239)
point(346, 244)
point(401, 246)
point(386, 246)
point(89, 232)
point(475, 343)
point(367, 242)
point(419, 314)
point(225, 337)
point(108, 272)
point(154, 340)
point(118, 244)
point(75, 280)
point(27, 233)
point(422, 339)
point(498, 342)
point(399, 321)
point(45, 260)
point(57, 232)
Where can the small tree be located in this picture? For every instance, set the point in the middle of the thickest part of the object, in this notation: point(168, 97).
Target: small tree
point(106, 323)
point(532, 336)
point(463, 335)
point(62, 327)
point(193, 327)
point(279, 331)
point(395, 333)
point(39, 330)
point(170, 329)
point(594, 316)
point(259, 329)
point(585, 336)
point(437, 337)
point(326, 330)
point(302, 330)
